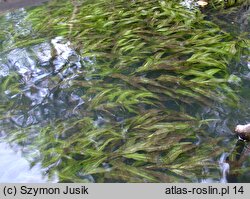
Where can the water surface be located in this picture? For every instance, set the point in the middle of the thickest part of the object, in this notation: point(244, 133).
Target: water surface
point(51, 132)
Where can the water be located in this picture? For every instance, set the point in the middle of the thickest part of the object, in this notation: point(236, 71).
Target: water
point(45, 73)
point(14, 4)
point(39, 75)
point(23, 173)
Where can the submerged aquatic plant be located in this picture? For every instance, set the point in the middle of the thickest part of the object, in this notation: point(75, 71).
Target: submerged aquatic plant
point(228, 3)
point(144, 66)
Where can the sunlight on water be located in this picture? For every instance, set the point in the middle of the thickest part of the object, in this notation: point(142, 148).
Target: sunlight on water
point(188, 3)
point(224, 171)
point(14, 168)
point(224, 167)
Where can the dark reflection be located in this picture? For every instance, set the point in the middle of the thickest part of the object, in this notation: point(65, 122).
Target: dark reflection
point(14, 4)
point(42, 73)
point(43, 70)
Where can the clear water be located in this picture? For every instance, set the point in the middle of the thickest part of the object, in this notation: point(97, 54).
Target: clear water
point(46, 101)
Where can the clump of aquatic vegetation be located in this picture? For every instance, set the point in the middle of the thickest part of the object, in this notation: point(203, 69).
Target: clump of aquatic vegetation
point(217, 4)
point(147, 68)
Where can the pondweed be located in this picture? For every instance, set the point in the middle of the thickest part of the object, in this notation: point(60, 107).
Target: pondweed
point(128, 97)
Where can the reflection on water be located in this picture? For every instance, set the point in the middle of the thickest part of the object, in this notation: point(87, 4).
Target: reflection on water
point(224, 166)
point(15, 168)
point(41, 71)
point(44, 72)
point(14, 4)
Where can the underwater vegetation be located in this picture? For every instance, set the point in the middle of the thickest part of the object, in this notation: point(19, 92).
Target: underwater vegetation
point(120, 95)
